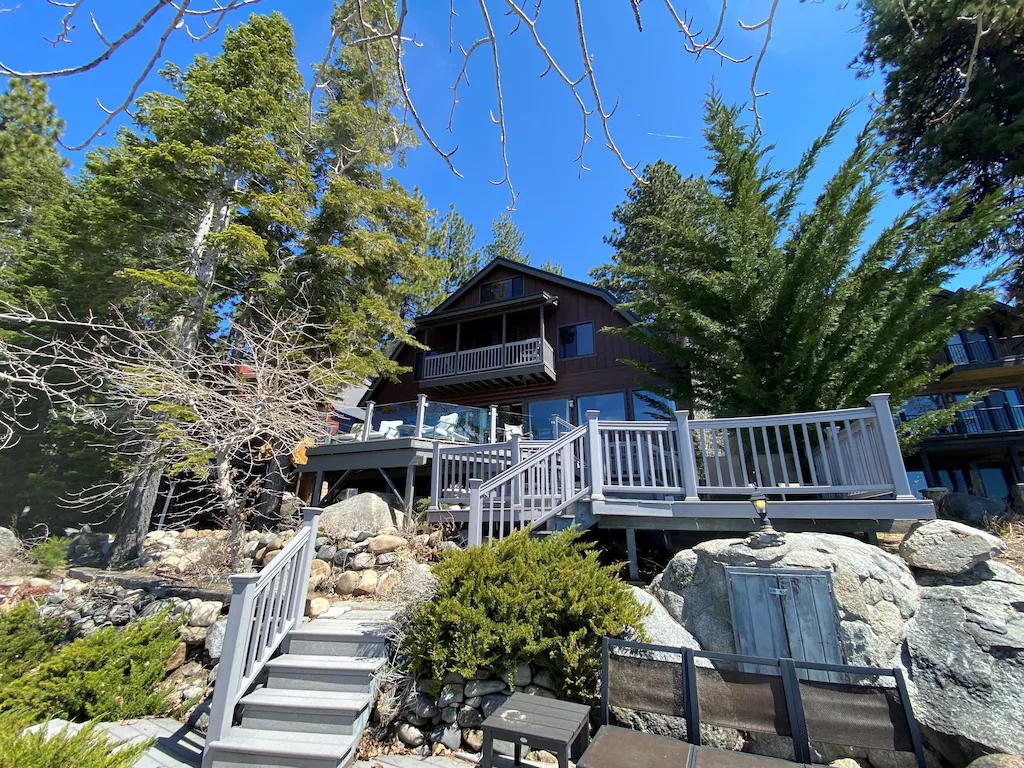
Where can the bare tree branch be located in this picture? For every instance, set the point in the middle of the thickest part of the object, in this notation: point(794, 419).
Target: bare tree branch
point(754, 95)
point(979, 32)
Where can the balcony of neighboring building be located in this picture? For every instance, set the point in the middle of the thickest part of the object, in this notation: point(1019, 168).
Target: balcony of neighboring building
point(997, 412)
point(971, 352)
point(498, 343)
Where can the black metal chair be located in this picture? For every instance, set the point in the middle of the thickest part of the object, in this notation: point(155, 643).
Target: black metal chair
point(780, 700)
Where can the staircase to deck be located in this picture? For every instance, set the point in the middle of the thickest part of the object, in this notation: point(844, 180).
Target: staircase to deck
point(316, 700)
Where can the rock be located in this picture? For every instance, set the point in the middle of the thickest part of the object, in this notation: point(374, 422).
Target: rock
point(387, 584)
point(205, 614)
point(347, 583)
point(10, 544)
point(849, 762)
point(660, 627)
point(386, 558)
point(449, 714)
point(363, 512)
point(875, 592)
point(317, 606)
point(483, 687)
point(521, 676)
point(449, 546)
point(423, 705)
point(535, 690)
point(970, 508)
point(965, 653)
point(452, 693)
point(367, 583)
point(469, 717)
point(542, 677)
point(319, 573)
point(420, 540)
point(947, 546)
point(428, 686)
point(177, 658)
point(215, 638)
point(271, 541)
point(408, 734)
point(342, 557)
point(185, 607)
point(193, 635)
point(268, 556)
point(36, 581)
point(388, 530)
point(453, 678)
point(473, 739)
point(435, 538)
point(120, 614)
point(491, 703)
point(362, 561)
point(326, 553)
point(386, 543)
point(476, 702)
point(450, 737)
point(998, 761)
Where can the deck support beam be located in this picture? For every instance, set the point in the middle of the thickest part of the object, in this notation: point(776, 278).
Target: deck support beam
point(634, 564)
point(410, 489)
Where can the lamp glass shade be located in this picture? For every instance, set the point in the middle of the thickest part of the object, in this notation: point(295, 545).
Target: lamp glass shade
point(760, 503)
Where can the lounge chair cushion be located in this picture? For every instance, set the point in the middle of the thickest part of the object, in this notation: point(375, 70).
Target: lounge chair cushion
point(389, 429)
point(446, 426)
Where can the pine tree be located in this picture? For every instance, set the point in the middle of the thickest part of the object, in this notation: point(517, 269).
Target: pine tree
point(506, 241)
point(453, 258)
point(553, 267)
point(768, 309)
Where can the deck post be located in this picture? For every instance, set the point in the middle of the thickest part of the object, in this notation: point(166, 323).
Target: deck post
point(232, 658)
point(493, 413)
point(476, 521)
point(687, 457)
point(891, 445)
point(317, 494)
point(594, 456)
point(421, 412)
point(435, 478)
point(517, 489)
point(634, 564)
point(310, 520)
point(410, 489)
point(368, 424)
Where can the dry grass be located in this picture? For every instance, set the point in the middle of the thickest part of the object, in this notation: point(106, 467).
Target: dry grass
point(1012, 533)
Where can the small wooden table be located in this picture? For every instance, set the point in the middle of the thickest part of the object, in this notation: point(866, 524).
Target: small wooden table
point(538, 722)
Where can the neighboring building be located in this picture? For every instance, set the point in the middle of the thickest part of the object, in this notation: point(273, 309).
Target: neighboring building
point(979, 454)
point(530, 342)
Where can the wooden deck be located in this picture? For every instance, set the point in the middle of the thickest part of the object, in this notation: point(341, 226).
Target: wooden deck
point(177, 745)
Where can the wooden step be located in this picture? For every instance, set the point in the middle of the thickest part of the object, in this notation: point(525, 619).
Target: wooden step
point(279, 749)
point(339, 637)
point(284, 709)
point(345, 674)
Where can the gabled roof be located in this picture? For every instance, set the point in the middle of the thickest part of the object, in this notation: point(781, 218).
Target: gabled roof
point(577, 285)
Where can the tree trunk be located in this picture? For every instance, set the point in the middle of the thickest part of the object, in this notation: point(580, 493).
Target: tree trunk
point(137, 514)
point(268, 506)
point(233, 506)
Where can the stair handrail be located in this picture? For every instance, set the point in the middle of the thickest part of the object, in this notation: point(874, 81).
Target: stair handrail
point(264, 608)
point(479, 487)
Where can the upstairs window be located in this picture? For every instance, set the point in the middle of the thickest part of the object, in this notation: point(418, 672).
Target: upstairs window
point(576, 340)
point(497, 290)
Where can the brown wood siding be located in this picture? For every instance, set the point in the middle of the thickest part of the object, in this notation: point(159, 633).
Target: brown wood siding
point(597, 373)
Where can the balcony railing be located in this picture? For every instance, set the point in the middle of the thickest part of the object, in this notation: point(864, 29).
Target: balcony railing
point(999, 418)
point(513, 354)
point(985, 350)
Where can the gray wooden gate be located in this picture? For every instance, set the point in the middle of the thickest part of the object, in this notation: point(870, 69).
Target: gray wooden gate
point(785, 613)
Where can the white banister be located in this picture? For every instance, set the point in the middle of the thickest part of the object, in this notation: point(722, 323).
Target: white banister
point(493, 415)
point(264, 608)
point(368, 423)
point(891, 444)
point(476, 513)
point(594, 456)
point(435, 478)
point(687, 456)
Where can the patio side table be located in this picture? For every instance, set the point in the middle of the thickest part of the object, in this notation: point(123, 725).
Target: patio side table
point(538, 722)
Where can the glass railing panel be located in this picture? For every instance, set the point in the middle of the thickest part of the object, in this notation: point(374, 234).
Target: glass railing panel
point(391, 420)
point(455, 423)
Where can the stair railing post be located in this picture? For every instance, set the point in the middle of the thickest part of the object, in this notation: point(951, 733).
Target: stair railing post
point(421, 412)
point(310, 521)
point(368, 424)
point(231, 668)
point(517, 485)
point(493, 414)
point(435, 478)
point(891, 445)
point(594, 452)
point(687, 456)
point(475, 533)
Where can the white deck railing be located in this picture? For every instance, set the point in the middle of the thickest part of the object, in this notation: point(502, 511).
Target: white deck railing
point(851, 453)
point(264, 608)
point(513, 354)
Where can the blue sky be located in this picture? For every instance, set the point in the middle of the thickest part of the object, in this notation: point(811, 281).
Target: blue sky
point(659, 86)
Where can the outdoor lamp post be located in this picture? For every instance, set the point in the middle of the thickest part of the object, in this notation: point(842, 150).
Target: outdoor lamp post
point(760, 504)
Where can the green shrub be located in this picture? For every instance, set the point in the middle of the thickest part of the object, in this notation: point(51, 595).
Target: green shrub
point(110, 675)
point(89, 748)
point(26, 639)
point(522, 601)
point(51, 554)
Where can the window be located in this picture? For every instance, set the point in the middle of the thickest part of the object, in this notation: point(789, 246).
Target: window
point(540, 417)
point(612, 406)
point(969, 347)
point(648, 406)
point(576, 340)
point(501, 289)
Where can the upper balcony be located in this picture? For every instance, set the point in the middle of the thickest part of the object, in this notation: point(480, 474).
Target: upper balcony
point(514, 362)
point(971, 351)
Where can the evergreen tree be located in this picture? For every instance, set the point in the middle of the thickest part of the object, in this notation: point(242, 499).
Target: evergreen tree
point(453, 259)
point(553, 267)
point(947, 138)
point(767, 309)
point(506, 241)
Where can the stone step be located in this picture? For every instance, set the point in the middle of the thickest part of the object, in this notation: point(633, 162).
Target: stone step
point(283, 709)
point(346, 674)
point(339, 637)
point(279, 749)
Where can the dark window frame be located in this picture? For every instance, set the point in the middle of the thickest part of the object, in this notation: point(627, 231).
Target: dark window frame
point(593, 340)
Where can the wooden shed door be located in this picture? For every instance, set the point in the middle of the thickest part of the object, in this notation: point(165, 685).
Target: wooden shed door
point(785, 614)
